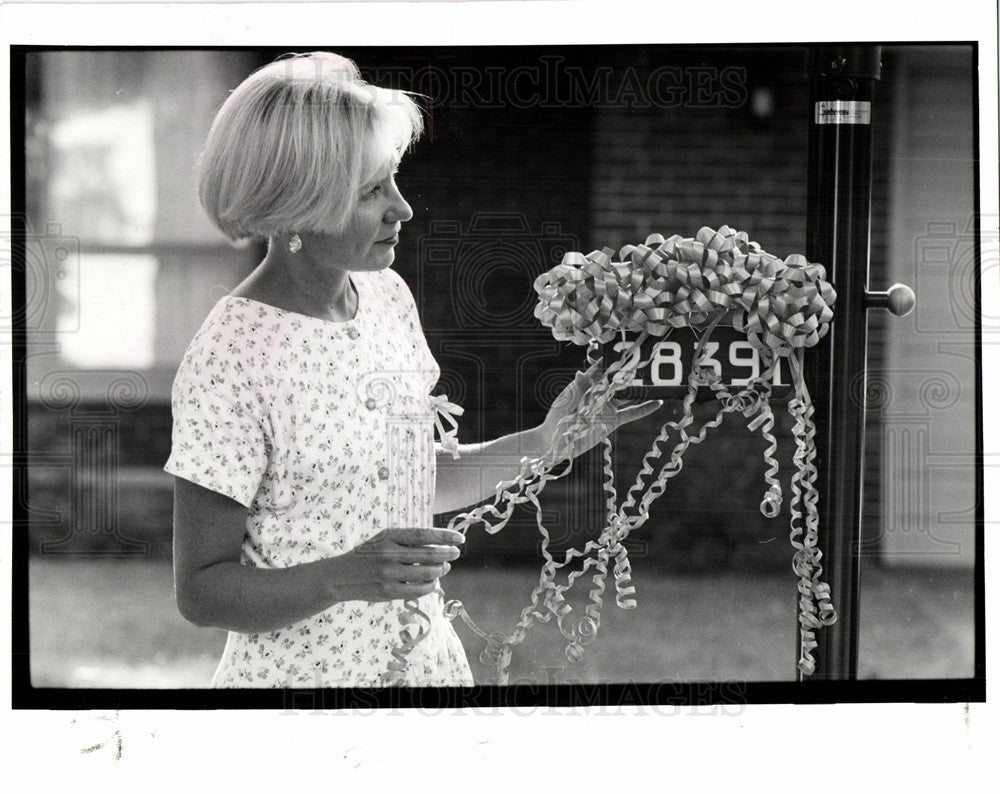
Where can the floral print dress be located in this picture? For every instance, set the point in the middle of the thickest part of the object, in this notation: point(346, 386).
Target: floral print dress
point(324, 431)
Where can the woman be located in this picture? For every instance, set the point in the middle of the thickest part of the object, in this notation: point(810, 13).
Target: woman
point(303, 445)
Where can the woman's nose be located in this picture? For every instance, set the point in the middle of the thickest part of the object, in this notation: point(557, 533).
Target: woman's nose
point(399, 210)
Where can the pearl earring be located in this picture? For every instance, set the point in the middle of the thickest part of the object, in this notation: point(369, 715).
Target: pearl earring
point(294, 243)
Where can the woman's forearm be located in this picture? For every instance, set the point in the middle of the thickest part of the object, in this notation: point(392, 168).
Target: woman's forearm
point(473, 476)
point(214, 589)
point(237, 597)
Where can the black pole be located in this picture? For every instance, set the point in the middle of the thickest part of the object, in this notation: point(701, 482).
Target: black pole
point(842, 91)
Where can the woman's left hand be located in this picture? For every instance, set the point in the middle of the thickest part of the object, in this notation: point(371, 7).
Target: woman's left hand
point(551, 432)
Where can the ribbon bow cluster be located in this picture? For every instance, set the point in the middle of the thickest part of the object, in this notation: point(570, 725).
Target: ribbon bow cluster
point(782, 305)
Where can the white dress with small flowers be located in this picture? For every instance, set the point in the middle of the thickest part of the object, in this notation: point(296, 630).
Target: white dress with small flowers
point(324, 431)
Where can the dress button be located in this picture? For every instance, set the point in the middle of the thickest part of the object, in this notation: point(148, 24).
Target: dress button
point(383, 472)
point(370, 403)
point(353, 332)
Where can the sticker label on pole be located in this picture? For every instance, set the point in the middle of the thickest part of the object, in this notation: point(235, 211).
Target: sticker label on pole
point(839, 111)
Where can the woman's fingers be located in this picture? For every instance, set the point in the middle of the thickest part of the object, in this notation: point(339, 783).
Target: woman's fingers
point(584, 380)
point(417, 574)
point(425, 536)
point(424, 545)
point(423, 555)
point(409, 590)
point(625, 415)
point(404, 562)
point(569, 398)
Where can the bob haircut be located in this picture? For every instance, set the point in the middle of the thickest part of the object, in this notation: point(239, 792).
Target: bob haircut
point(293, 146)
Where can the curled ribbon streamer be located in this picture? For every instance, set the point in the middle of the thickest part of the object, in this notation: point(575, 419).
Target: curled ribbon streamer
point(416, 626)
point(815, 605)
point(783, 306)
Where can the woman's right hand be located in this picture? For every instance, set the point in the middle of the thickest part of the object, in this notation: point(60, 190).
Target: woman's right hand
point(397, 563)
point(215, 588)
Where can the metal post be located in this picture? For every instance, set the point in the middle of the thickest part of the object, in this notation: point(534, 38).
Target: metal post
point(842, 89)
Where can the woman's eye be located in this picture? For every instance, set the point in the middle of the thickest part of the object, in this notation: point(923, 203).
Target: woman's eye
point(371, 192)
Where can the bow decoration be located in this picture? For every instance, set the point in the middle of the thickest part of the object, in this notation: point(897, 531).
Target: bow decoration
point(446, 411)
point(666, 283)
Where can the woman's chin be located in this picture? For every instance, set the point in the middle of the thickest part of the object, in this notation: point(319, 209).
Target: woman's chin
point(386, 259)
point(375, 263)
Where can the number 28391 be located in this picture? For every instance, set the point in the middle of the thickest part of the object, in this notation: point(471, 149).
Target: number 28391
point(667, 362)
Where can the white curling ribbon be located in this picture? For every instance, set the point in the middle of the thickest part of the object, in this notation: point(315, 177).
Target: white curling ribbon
point(447, 411)
point(782, 306)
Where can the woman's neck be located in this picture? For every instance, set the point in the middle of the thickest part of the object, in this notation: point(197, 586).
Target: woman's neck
point(295, 283)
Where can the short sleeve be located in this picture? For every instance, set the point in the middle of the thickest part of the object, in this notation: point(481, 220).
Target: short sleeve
point(218, 439)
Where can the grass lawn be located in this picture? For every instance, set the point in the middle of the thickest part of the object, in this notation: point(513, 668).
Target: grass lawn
point(113, 623)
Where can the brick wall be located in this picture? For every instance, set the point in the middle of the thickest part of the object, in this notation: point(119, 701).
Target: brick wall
point(595, 147)
point(674, 169)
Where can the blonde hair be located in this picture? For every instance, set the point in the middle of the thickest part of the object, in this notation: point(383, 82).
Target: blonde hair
point(294, 143)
